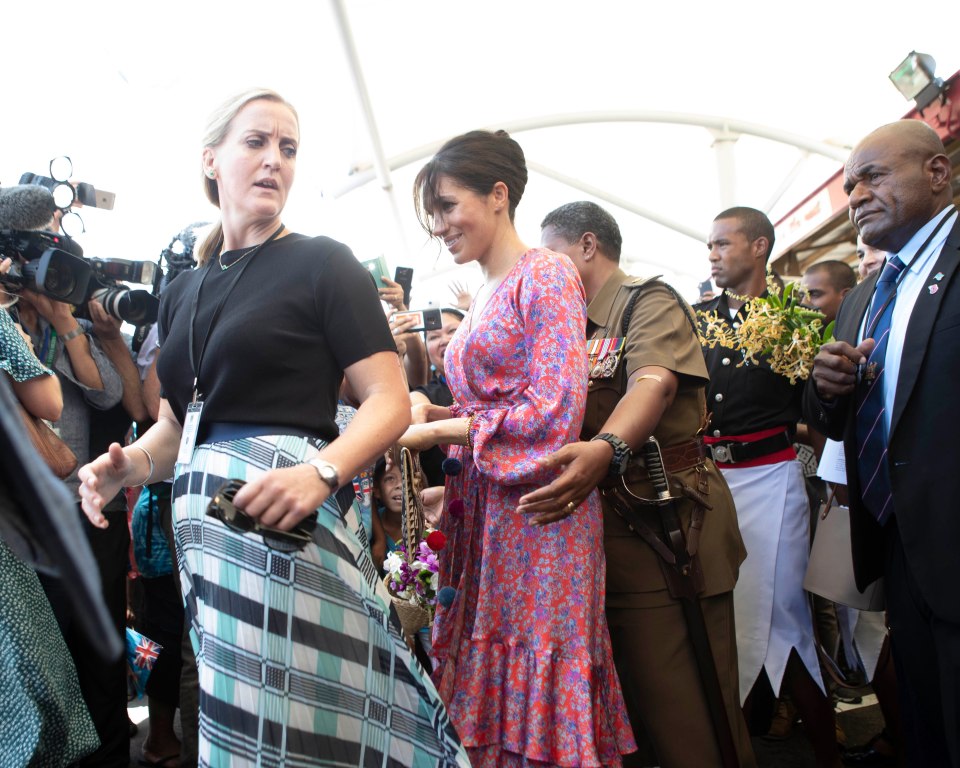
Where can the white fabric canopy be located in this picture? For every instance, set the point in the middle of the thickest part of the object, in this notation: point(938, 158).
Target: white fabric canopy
point(127, 96)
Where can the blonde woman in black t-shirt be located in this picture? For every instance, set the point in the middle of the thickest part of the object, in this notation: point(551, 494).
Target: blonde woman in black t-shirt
point(286, 611)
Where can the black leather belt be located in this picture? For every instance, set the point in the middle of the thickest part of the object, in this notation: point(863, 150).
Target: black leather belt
point(731, 452)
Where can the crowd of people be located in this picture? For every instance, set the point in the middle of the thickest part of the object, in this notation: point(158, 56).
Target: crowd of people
point(627, 524)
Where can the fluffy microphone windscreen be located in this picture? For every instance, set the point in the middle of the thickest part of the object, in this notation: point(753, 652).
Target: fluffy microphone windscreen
point(25, 207)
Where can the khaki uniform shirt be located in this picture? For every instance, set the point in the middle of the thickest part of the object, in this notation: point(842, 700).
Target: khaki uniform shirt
point(659, 334)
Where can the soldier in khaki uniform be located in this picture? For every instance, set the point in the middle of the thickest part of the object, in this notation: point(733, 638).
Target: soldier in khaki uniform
point(650, 380)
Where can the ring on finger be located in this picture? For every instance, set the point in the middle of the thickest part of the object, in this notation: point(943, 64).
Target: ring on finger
point(571, 507)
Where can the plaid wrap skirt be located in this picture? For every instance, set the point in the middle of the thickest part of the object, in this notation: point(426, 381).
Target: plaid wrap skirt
point(300, 663)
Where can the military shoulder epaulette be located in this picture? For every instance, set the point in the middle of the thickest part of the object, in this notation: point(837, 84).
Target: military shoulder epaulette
point(637, 282)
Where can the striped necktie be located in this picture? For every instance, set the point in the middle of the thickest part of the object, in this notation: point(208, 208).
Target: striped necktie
point(871, 424)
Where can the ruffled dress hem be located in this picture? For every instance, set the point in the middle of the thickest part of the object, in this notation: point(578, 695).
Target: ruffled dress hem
point(544, 707)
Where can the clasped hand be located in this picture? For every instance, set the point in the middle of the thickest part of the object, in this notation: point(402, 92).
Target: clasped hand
point(835, 367)
point(421, 434)
point(282, 498)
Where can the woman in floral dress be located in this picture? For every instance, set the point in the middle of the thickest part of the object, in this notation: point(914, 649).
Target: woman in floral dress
point(523, 657)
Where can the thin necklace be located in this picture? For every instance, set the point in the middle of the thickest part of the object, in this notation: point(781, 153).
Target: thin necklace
point(250, 251)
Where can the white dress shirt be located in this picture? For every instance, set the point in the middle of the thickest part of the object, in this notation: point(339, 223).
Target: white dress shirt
point(916, 281)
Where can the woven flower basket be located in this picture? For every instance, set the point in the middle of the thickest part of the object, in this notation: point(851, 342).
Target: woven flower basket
point(413, 617)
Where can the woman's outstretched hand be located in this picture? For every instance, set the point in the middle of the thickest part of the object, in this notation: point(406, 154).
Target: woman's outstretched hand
point(101, 480)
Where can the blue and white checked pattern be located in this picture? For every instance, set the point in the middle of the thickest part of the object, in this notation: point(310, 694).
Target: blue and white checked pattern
point(871, 424)
point(300, 664)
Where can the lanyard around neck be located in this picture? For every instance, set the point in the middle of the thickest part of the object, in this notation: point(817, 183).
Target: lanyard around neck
point(903, 273)
point(49, 349)
point(197, 360)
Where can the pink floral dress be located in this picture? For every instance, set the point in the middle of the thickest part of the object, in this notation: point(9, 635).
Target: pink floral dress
point(523, 654)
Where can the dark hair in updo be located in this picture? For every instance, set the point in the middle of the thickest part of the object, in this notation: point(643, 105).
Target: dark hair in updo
point(477, 161)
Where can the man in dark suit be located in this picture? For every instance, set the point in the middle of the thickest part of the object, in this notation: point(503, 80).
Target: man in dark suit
point(887, 388)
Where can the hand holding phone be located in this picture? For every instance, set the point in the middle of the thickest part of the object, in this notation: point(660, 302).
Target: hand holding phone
point(378, 269)
point(426, 319)
point(403, 276)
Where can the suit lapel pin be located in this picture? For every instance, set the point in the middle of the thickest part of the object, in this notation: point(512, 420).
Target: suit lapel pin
point(932, 289)
point(938, 277)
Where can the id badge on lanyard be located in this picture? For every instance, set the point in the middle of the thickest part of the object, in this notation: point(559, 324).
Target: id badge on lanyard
point(188, 437)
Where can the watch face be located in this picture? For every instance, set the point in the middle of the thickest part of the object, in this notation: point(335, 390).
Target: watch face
point(328, 474)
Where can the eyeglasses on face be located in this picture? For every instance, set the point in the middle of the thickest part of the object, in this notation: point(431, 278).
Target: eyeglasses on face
point(221, 506)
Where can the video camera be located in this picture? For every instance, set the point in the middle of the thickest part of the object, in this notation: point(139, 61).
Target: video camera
point(53, 265)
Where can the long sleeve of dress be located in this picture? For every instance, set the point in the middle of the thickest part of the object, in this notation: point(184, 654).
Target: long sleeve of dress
point(528, 369)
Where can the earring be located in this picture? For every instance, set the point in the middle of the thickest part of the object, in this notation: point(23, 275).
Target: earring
point(212, 173)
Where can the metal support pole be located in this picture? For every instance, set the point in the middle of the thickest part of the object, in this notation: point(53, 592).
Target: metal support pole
point(724, 142)
point(379, 158)
point(620, 202)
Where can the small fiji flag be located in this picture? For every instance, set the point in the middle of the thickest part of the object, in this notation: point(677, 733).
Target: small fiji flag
point(142, 653)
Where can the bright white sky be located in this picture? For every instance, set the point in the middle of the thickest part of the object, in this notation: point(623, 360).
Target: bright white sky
point(125, 89)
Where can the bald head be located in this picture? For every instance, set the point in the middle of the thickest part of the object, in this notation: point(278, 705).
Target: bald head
point(898, 178)
point(911, 136)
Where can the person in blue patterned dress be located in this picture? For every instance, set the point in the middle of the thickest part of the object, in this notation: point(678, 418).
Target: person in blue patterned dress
point(43, 719)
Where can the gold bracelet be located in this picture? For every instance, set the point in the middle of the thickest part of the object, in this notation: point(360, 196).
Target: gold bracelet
point(470, 420)
point(150, 459)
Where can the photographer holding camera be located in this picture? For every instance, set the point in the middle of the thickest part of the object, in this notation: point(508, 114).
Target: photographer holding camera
point(90, 384)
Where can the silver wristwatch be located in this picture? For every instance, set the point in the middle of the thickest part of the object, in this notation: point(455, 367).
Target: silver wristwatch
point(328, 473)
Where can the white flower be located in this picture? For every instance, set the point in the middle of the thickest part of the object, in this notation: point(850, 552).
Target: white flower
point(392, 562)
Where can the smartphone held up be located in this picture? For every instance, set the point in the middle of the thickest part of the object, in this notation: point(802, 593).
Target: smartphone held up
point(426, 319)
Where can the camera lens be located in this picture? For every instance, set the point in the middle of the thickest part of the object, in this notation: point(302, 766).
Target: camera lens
point(58, 281)
point(54, 275)
point(134, 307)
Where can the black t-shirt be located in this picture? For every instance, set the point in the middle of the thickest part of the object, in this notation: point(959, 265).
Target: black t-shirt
point(302, 310)
point(437, 391)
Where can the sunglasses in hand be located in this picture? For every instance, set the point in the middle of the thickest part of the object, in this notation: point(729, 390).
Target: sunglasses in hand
point(221, 506)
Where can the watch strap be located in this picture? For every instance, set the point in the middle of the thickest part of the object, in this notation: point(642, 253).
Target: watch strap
point(71, 335)
point(621, 452)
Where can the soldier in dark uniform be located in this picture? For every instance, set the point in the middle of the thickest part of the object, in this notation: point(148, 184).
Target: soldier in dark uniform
point(648, 378)
point(754, 414)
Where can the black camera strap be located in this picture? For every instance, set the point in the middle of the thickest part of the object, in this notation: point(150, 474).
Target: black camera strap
point(197, 360)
